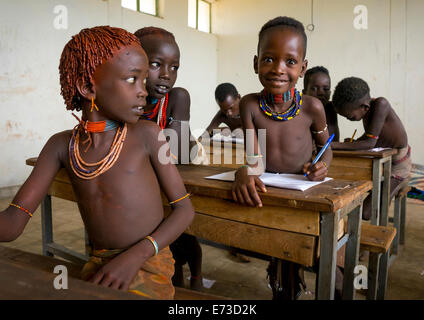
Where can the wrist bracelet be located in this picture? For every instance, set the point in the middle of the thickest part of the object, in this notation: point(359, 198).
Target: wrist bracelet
point(154, 243)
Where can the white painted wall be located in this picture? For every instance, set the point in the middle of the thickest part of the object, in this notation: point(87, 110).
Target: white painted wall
point(388, 55)
point(31, 107)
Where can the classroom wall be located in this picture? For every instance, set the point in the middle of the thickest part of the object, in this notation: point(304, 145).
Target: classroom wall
point(387, 54)
point(32, 108)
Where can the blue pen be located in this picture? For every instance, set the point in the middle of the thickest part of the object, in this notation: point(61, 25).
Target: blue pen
point(322, 151)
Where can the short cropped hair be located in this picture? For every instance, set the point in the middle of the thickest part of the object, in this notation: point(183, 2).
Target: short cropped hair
point(285, 22)
point(349, 90)
point(84, 53)
point(224, 90)
point(310, 72)
point(147, 31)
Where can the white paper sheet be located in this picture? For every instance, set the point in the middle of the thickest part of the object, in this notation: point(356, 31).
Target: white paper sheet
point(278, 180)
point(220, 137)
point(378, 149)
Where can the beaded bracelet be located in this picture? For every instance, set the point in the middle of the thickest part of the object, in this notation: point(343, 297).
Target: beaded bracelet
point(325, 165)
point(154, 244)
point(23, 209)
point(369, 135)
point(175, 201)
point(319, 132)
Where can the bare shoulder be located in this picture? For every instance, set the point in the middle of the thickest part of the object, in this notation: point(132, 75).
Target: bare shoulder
point(179, 95)
point(312, 105)
point(381, 103)
point(249, 101)
point(179, 103)
point(146, 129)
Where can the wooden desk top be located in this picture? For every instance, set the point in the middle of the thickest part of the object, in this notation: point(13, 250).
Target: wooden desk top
point(28, 276)
point(364, 153)
point(329, 196)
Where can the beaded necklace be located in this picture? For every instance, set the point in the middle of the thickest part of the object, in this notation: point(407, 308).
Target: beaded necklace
point(279, 98)
point(289, 114)
point(160, 111)
point(78, 165)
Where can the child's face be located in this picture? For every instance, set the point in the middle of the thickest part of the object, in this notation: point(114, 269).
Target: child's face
point(356, 111)
point(280, 61)
point(230, 106)
point(319, 86)
point(119, 84)
point(164, 61)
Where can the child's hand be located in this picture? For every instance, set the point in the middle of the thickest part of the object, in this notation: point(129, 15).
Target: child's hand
point(117, 273)
point(317, 172)
point(245, 188)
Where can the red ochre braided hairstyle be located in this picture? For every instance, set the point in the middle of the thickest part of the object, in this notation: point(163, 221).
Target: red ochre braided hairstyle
point(84, 53)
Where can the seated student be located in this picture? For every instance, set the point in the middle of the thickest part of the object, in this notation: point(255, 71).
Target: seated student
point(228, 99)
point(291, 122)
point(112, 161)
point(383, 129)
point(317, 83)
point(170, 108)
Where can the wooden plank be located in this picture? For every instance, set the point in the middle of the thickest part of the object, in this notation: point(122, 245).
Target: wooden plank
point(47, 264)
point(22, 282)
point(365, 153)
point(376, 238)
point(285, 245)
point(288, 219)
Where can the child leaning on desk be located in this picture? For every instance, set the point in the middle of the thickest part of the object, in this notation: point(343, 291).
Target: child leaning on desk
point(291, 121)
point(383, 129)
point(112, 159)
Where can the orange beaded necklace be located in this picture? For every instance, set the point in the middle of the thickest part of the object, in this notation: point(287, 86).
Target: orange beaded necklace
point(79, 166)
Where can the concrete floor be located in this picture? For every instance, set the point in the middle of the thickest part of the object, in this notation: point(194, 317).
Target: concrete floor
point(244, 280)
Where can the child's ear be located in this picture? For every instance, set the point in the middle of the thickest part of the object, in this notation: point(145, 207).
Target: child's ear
point(86, 90)
point(255, 64)
point(366, 107)
point(304, 68)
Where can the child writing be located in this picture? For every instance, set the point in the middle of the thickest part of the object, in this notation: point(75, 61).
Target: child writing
point(112, 161)
point(382, 126)
point(291, 122)
point(170, 108)
point(317, 83)
point(228, 99)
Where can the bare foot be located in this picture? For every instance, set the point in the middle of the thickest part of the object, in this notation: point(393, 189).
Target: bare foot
point(196, 283)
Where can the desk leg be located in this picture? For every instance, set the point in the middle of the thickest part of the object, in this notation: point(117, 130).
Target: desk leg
point(352, 252)
point(375, 192)
point(373, 275)
point(385, 192)
point(328, 256)
point(46, 224)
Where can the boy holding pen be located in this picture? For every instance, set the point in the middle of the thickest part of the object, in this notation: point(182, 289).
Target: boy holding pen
point(291, 121)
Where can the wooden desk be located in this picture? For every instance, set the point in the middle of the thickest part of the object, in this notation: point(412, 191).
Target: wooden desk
point(293, 225)
point(367, 165)
point(346, 165)
point(30, 277)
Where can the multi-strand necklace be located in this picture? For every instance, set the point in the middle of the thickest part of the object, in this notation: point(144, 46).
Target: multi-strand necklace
point(82, 168)
point(290, 113)
point(159, 110)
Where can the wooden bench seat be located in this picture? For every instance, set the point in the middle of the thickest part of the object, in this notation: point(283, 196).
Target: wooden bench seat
point(47, 264)
point(377, 240)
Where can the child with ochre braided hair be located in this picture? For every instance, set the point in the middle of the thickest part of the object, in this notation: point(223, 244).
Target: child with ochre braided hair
point(170, 108)
point(112, 161)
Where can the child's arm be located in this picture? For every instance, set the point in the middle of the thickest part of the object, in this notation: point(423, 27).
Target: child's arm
point(120, 271)
point(319, 129)
point(246, 183)
point(180, 112)
point(377, 118)
point(216, 121)
point(13, 220)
